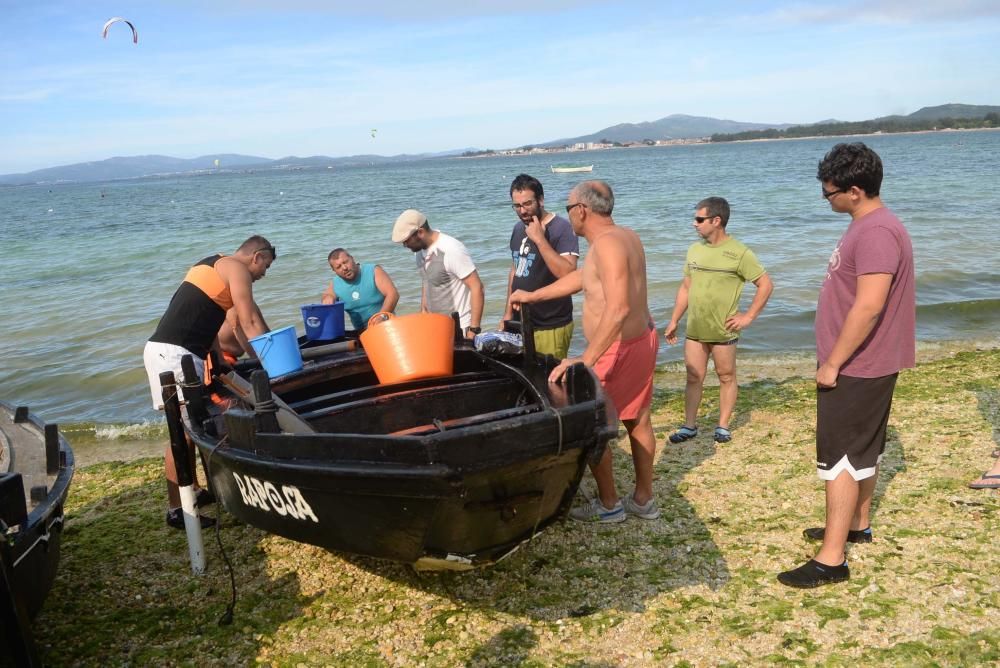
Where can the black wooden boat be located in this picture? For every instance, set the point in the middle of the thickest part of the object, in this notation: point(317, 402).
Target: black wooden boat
point(36, 468)
point(441, 473)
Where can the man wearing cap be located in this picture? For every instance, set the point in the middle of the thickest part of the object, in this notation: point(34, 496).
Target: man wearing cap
point(450, 281)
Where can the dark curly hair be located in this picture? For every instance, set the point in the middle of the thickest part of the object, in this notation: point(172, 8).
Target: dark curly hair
point(527, 182)
point(848, 165)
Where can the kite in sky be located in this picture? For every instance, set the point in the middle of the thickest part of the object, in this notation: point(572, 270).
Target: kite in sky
point(116, 19)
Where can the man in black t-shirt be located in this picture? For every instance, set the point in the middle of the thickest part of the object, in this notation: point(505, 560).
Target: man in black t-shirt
point(543, 249)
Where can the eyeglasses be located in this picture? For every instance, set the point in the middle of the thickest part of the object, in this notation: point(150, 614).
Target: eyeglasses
point(523, 205)
point(702, 219)
point(570, 207)
point(827, 194)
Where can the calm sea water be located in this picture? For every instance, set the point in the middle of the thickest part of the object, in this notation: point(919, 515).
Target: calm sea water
point(87, 270)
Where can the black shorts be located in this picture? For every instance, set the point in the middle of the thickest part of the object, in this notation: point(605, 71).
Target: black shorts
point(730, 342)
point(850, 425)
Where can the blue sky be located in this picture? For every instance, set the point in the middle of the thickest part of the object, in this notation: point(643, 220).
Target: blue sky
point(305, 77)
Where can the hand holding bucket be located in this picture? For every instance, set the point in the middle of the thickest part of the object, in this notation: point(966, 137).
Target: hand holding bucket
point(419, 345)
point(379, 317)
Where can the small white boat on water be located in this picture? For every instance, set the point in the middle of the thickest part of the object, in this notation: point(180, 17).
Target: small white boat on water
point(569, 169)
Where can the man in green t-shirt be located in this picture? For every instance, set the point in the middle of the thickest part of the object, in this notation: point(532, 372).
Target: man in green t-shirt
point(716, 269)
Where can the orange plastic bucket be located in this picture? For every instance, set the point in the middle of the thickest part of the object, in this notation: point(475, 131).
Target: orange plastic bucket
point(420, 345)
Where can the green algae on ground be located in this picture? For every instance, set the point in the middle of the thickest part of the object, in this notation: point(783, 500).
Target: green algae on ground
point(694, 588)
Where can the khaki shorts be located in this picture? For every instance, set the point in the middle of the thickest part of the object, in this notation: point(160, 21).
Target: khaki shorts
point(554, 341)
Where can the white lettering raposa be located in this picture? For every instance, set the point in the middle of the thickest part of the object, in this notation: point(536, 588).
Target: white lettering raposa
point(265, 495)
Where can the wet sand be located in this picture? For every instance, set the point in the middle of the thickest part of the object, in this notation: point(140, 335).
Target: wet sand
point(123, 450)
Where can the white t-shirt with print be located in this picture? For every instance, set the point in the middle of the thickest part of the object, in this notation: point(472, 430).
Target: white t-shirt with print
point(442, 267)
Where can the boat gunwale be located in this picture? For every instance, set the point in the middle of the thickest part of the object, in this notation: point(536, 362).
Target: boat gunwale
point(56, 494)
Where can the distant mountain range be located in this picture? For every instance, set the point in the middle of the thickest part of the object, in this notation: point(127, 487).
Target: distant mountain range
point(681, 126)
point(163, 165)
point(675, 126)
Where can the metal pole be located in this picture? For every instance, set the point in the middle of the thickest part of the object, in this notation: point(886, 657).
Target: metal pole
point(182, 464)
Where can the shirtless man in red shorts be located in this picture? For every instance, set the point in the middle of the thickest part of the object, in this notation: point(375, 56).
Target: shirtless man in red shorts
point(621, 343)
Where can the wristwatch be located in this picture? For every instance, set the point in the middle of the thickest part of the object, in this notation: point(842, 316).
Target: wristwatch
point(474, 330)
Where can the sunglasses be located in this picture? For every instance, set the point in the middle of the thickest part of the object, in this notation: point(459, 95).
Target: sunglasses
point(702, 219)
point(270, 249)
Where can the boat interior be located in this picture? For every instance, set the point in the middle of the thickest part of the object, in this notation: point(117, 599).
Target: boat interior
point(346, 397)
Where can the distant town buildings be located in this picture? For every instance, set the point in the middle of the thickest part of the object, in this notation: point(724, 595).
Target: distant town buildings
point(584, 146)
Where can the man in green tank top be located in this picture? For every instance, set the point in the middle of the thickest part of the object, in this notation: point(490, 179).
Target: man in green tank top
point(715, 272)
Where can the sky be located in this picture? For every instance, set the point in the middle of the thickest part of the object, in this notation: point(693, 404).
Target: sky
point(311, 77)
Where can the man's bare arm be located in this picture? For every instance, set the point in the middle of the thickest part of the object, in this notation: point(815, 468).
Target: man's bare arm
point(387, 288)
point(559, 265)
point(241, 290)
point(508, 310)
point(680, 306)
point(869, 300)
point(740, 321)
point(570, 284)
point(478, 297)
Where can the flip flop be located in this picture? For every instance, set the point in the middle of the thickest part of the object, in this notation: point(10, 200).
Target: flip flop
point(986, 482)
point(722, 435)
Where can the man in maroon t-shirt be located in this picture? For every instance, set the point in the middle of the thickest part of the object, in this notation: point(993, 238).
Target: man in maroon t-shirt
point(865, 333)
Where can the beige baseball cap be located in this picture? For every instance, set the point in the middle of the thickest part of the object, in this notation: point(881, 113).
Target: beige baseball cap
point(408, 221)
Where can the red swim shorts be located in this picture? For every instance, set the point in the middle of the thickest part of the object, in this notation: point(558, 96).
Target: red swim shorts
point(626, 373)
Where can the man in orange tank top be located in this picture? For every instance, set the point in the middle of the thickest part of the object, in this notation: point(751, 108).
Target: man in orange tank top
point(190, 326)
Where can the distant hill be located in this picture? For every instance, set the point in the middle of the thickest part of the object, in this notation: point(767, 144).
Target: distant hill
point(675, 126)
point(160, 165)
point(953, 111)
point(131, 167)
point(945, 116)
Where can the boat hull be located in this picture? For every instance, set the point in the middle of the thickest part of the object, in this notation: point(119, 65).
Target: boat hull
point(36, 484)
point(452, 498)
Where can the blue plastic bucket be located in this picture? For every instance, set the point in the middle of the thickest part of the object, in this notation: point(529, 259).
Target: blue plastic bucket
point(323, 321)
point(278, 351)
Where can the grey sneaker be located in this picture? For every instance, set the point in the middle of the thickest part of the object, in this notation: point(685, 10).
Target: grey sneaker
point(647, 511)
point(597, 513)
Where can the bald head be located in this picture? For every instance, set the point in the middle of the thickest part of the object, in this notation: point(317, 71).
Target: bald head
point(596, 195)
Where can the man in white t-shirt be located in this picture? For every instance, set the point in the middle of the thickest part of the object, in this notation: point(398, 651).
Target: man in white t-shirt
point(450, 280)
